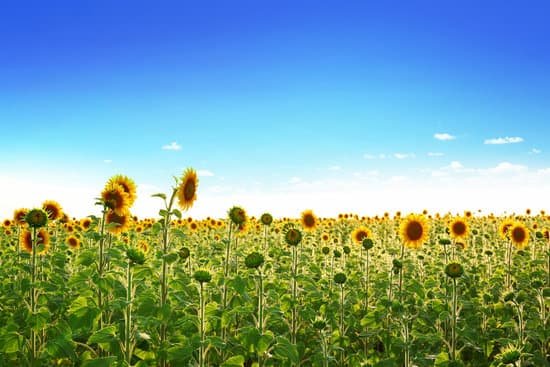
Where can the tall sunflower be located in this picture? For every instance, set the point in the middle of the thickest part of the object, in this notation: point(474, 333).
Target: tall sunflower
point(359, 234)
point(73, 242)
point(414, 231)
point(309, 220)
point(503, 228)
point(128, 185)
point(42, 241)
point(237, 215)
point(53, 209)
point(519, 235)
point(459, 228)
point(187, 189)
point(115, 198)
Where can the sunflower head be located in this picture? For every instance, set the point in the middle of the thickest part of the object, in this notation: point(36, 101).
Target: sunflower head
point(19, 216)
point(237, 215)
point(519, 235)
point(368, 243)
point(360, 234)
point(414, 231)
point(202, 276)
point(42, 241)
point(309, 220)
point(458, 229)
point(293, 236)
point(340, 278)
point(454, 270)
point(254, 260)
point(53, 209)
point(325, 237)
point(127, 184)
point(503, 228)
point(116, 224)
point(73, 242)
point(36, 218)
point(266, 219)
point(187, 189)
point(135, 256)
point(115, 198)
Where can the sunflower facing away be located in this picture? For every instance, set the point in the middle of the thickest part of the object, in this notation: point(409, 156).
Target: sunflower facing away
point(414, 231)
point(187, 190)
point(519, 235)
point(359, 234)
point(309, 220)
point(53, 209)
point(42, 241)
point(459, 228)
point(128, 185)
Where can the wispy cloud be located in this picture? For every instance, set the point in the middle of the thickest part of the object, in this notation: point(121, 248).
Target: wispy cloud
point(435, 154)
point(505, 140)
point(403, 155)
point(335, 168)
point(205, 173)
point(295, 180)
point(172, 146)
point(107, 161)
point(444, 136)
point(535, 151)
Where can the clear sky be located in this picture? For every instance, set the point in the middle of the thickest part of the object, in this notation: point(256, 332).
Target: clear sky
point(280, 105)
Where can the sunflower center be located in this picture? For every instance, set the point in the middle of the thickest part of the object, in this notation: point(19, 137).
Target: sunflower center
point(309, 221)
point(518, 234)
point(360, 236)
point(459, 228)
point(189, 189)
point(414, 231)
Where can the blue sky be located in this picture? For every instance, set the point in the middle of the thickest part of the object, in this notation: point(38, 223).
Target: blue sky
point(280, 105)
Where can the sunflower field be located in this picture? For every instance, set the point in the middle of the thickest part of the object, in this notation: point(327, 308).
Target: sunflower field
point(420, 289)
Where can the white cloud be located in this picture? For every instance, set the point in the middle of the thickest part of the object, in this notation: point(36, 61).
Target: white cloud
point(295, 180)
point(107, 161)
point(435, 154)
point(505, 140)
point(444, 136)
point(403, 155)
point(205, 173)
point(507, 167)
point(369, 156)
point(172, 146)
point(456, 165)
point(535, 151)
point(335, 168)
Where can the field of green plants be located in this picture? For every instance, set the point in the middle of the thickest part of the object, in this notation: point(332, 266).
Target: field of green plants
point(393, 290)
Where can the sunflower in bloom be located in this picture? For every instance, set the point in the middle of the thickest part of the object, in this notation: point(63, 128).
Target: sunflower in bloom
point(309, 220)
point(119, 223)
point(53, 209)
point(86, 223)
point(459, 228)
point(504, 227)
point(187, 189)
point(237, 215)
point(73, 242)
point(325, 237)
point(128, 185)
point(519, 235)
point(19, 216)
point(414, 231)
point(115, 198)
point(359, 234)
point(42, 241)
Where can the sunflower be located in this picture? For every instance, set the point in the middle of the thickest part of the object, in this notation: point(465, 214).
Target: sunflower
point(237, 215)
point(42, 241)
point(309, 220)
point(6, 223)
point(519, 235)
point(504, 227)
point(459, 228)
point(73, 242)
point(128, 185)
point(359, 234)
point(325, 237)
point(187, 190)
point(118, 223)
point(53, 209)
point(414, 231)
point(36, 218)
point(266, 219)
point(115, 198)
point(85, 223)
point(19, 216)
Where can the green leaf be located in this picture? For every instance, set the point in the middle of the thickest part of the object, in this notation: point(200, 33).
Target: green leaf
point(235, 361)
point(105, 335)
point(171, 257)
point(159, 195)
point(86, 258)
point(177, 213)
point(9, 342)
point(100, 362)
point(285, 350)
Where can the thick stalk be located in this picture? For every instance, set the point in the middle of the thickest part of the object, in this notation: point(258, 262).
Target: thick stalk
point(100, 267)
point(201, 315)
point(128, 318)
point(33, 340)
point(453, 325)
point(294, 321)
point(260, 311)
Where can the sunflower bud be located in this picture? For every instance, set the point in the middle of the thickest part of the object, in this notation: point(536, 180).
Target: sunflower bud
point(254, 260)
point(340, 278)
point(37, 218)
point(293, 237)
point(368, 243)
point(454, 270)
point(202, 276)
